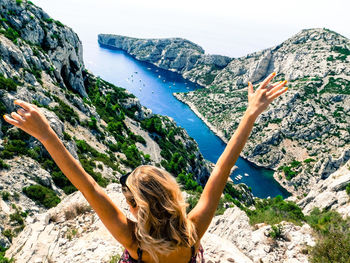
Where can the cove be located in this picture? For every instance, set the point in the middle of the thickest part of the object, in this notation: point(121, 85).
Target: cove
point(154, 88)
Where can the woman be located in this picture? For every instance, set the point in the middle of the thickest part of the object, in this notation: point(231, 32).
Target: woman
point(163, 232)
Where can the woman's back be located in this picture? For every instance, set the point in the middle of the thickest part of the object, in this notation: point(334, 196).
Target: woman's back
point(181, 255)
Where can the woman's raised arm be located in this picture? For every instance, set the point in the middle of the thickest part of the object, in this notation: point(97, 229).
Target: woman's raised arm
point(258, 101)
point(30, 119)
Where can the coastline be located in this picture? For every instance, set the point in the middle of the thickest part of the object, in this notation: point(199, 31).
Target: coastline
point(222, 137)
point(208, 124)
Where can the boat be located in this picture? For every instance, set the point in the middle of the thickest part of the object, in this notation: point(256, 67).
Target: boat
point(149, 68)
point(245, 174)
point(159, 76)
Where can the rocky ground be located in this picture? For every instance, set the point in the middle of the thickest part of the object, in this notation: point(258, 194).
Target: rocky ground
point(70, 232)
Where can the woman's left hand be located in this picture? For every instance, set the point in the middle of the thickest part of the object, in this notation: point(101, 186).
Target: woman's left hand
point(259, 100)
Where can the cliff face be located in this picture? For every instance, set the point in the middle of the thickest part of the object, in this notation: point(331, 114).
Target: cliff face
point(304, 136)
point(41, 43)
point(103, 126)
point(175, 54)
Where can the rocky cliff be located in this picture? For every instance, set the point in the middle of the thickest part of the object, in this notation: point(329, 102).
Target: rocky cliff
point(103, 126)
point(304, 136)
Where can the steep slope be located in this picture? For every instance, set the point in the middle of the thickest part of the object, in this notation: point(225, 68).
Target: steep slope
point(103, 126)
point(304, 136)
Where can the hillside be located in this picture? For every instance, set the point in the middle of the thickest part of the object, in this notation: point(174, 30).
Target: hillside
point(304, 136)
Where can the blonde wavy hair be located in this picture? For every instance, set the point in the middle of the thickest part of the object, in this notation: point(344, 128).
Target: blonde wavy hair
point(162, 223)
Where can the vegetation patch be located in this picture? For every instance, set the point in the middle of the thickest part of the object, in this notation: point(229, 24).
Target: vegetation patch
point(333, 244)
point(274, 210)
point(337, 86)
point(276, 231)
point(42, 195)
point(290, 170)
point(3, 259)
point(7, 83)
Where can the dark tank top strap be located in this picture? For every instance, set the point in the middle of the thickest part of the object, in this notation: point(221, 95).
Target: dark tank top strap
point(139, 255)
point(193, 250)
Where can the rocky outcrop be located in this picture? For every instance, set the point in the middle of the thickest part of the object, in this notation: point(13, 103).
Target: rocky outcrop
point(175, 54)
point(330, 193)
point(256, 243)
point(71, 232)
point(41, 43)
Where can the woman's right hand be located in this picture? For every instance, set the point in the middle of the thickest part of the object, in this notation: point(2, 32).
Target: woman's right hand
point(30, 119)
point(259, 100)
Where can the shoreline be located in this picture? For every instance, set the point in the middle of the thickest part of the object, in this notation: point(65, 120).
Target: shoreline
point(221, 136)
point(199, 115)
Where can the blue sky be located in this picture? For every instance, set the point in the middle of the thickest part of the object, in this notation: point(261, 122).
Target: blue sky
point(233, 28)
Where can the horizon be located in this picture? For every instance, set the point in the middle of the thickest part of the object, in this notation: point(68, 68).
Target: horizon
point(223, 28)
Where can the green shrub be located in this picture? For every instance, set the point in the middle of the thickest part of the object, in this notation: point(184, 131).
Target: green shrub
point(7, 84)
point(8, 233)
point(18, 2)
point(276, 231)
point(14, 148)
point(5, 195)
point(309, 160)
point(3, 165)
point(348, 189)
point(17, 217)
point(11, 34)
point(192, 201)
point(62, 181)
point(333, 244)
point(274, 210)
point(58, 23)
point(188, 183)
point(342, 50)
point(42, 195)
point(66, 136)
point(65, 113)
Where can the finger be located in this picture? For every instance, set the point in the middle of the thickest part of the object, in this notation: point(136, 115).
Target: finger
point(250, 88)
point(21, 112)
point(17, 117)
point(276, 88)
point(267, 80)
point(25, 105)
point(10, 120)
point(278, 93)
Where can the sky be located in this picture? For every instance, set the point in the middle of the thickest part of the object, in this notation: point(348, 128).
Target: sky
point(232, 28)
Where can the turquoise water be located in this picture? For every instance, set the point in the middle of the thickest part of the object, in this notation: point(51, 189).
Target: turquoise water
point(154, 88)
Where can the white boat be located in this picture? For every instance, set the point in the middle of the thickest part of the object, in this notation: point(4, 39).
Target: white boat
point(159, 76)
point(245, 174)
